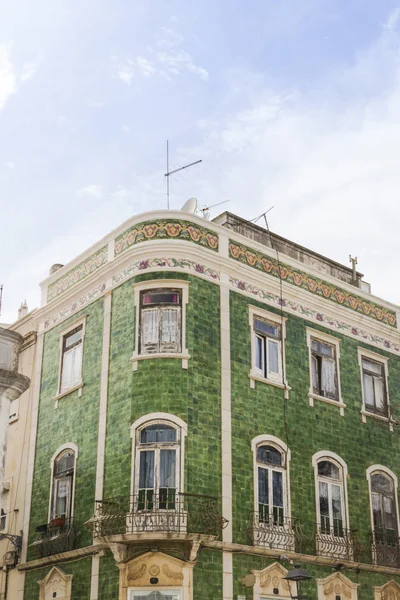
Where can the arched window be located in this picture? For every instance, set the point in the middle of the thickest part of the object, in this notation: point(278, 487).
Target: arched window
point(271, 482)
point(331, 496)
point(63, 485)
point(158, 459)
point(383, 486)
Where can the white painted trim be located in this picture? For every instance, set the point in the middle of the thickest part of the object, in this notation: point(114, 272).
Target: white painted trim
point(344, 584)
point(73, 325)
point(282, 447)
point(142, 286)
point(169, 419)
point(383, 360)
point(326, 454)
point(382, 469)
point(60, 449)
point(325, 337)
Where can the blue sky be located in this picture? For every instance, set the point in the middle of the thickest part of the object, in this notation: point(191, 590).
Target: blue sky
point(294, 104)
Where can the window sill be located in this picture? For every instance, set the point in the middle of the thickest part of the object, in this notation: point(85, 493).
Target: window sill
point(69, 391)
point(366, 413)
point(183, 356)
point(338, 403)
point(283, 386)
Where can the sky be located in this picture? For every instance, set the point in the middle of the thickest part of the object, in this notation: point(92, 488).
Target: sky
point(292, 103)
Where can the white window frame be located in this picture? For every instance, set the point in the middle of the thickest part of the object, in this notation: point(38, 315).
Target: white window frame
point(383, 360)
point(335, 458)
point(143, 286)
point(376, 469)
point(315, 334)
point(133, 591)
point(167, 419)
point(255, 374)
point(74, 448)
point(60, 394)
point(271, 440)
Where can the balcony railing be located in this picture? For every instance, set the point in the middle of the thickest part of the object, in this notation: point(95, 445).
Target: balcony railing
point(336, 542)
point(273, 531)
point(157, 513)
point(385, 548)
point(59, 535)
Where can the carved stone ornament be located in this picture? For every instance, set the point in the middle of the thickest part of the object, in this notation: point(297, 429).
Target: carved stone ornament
point(139, 572)
point(389, 591)
point(172, 574)
point(154, 570)
point(269, 580)
point(337, 585)
point(56, 585)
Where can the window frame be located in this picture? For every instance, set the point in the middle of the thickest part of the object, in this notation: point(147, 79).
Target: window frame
point(81, 322)
point(177, 591)
point(271, 440)
point(159, 418)
point(160, 284)
point(383, 361)
point(376, 470)
point(255, 374)
point(339, 462)
point(65, 447)
point(315, 334)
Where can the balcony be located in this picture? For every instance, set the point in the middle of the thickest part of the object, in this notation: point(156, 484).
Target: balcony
point(385, 548)
point(278, 532)
point(337, 542)
point(58, 536)
point(162, 513)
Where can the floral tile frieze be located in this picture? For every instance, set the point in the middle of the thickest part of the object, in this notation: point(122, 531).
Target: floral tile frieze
point(75, 306)
point(313, 315)
point(312, 284)
point(166, 229)
point(165, 263)
point(85, 268)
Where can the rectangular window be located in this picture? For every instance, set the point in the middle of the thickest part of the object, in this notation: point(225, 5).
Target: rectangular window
point(267, 349)
point(324, 369)
point(374, 387)
point(71, 366)
point(160, 322)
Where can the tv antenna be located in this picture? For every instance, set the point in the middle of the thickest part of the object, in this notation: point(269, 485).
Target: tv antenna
point(264, 214)
point(1, 296)
point(169, 173)
point(206, 209)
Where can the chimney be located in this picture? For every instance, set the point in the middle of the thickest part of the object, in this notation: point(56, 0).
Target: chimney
point(23, 310)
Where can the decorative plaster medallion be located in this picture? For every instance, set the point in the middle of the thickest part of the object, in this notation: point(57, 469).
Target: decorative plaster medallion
point(166, 229)
point(311, 284)
point(172, 574)
point(313, 315)
point(154, 570)
point(139, 572)
point(85, 268)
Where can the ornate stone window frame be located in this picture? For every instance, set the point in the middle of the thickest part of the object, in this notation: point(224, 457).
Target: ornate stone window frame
point(254, 375)
point(383, 360)
point(52, 583)
point(337, 585)
point(73, 325)
point(375, 469)
point(60, 449)
point(335, 458)
point(142, 286)
point(270, 578)
point(383, 592)
point(333, 341)
point(151, 419)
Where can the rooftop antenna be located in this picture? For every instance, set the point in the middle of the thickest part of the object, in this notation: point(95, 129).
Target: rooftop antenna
point(206, 209)
point(264, 214)
point(354, 262)
point(169, 173)
point(1, 296)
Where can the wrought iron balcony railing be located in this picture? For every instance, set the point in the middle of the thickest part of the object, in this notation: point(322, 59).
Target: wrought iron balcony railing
point(59, 535)
point(273, 531)
point(157, 513)
point(385, 548)
point(337, 542)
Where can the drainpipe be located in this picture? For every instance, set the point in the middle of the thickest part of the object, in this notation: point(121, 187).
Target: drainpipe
point(12, 385)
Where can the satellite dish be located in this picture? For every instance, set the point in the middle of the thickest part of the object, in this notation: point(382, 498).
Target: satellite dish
point(190, 206)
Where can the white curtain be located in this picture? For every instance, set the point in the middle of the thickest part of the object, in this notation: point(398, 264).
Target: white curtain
point(328, 379)
point(273, 356)
point(368, 390)
point(150, 329)
point(167, 468)
point(71, 368)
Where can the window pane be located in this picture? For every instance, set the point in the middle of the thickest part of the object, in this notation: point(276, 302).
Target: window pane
point(388, 508)
point(277, 489)
point(76, 365)
point(65, 463)
point(266, 328)
point(328, 378)
point(146, 474)
point(63, 497)
point(336, 502)
point(328, 469)
point(170, 325)
point(323, 349)
point(150, 329)
point(372, 367)
point(161, 298)
point(323, 499)
point(368, 391)
point(263, 486)
point(381, 483)
point(259, 344)
point(273, 357)
point(73, 337)
point(157, 433)
point(66, 375)
point(167, 468)
point(315, 375)
point(269, 455)
point(380, 395)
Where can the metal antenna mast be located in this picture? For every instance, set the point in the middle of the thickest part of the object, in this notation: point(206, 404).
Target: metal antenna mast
point(169, 173)
point(1, 296)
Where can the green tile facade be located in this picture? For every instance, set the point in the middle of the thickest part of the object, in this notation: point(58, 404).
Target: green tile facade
point(194, 395)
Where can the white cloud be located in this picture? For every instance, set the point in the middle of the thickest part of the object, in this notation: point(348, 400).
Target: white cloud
point(28, 71)
point(10, 164)
point(8, 80)
point(91, 190)
point(169, 38)
point(145, 67)
point(125, 73)
point(392, 19)
point(177, 62)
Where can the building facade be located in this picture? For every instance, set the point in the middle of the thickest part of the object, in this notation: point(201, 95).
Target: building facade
point(211, 404)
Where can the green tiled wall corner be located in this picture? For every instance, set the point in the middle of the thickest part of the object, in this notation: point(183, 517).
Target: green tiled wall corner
point(80, 570)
